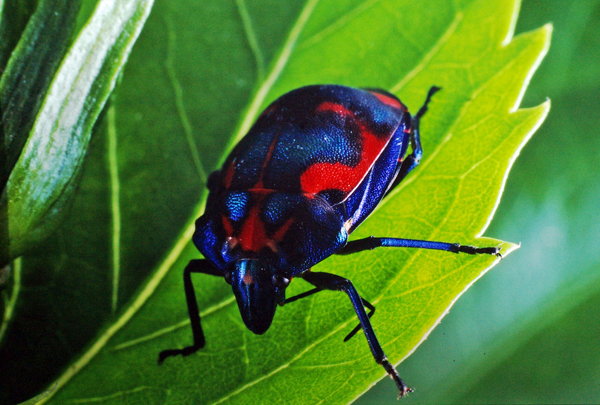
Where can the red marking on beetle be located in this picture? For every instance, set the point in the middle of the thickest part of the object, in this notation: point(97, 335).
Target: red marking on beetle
point(248, 279)
point(327, 176)
point(227, 226)
point(229, 175)
point(407, 130)
point(278, 236)
point(260, 184)
point(336, 108)
point(387, 100)
point(253, 236)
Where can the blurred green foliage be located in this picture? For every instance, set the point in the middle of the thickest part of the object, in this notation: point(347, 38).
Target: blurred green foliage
point(527, 332)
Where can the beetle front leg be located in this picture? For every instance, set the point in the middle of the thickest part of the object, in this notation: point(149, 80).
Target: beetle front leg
point(373, 242)
point(194, 266)
point(327, 281)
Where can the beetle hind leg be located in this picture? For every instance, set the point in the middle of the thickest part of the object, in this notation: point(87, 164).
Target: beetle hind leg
point(327, 281)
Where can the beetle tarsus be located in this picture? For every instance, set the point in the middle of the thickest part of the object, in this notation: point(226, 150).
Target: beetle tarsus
point(474, 250)
point(186, 351)
point(327, 281)
point(194, 266)
point(403, 389)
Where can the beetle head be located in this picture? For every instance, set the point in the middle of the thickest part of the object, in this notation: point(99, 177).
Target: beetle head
point(258, 289)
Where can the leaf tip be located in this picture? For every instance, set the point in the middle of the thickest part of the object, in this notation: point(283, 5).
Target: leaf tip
point(545, 107)
point(548, 28)
point(509, 247)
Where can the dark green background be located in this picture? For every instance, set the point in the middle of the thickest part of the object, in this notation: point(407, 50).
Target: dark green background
point(528, 331)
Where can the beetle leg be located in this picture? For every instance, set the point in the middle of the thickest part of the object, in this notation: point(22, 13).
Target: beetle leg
point(354, 331)
point(373, 242)
point(327, 281)
point(194, 266)
point(302, 295)
point(413, 160)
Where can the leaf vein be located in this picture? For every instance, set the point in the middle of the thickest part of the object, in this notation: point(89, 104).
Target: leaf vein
point(115, 204)
point(174, 327)
point(252, 40)
point(429, 55)
point(114, 395)
point(179, 103)
point(283, 366)
point(278, 67)
point(338, 24)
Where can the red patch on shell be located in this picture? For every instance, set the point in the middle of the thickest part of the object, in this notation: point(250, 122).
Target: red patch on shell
point(248, 279)
point(260, 185)
point(328, 176)
point(392, 102)
point(335, 107)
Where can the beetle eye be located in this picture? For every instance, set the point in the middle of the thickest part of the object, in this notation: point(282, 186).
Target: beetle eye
point(280, 281)
point(228, 276)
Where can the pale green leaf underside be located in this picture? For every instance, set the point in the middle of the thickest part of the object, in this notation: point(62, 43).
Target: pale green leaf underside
point(46, 175)
point(471, 136)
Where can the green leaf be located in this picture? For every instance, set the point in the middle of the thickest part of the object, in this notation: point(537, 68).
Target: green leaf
point(43, 180)
point(173, 119)
point(29, 73)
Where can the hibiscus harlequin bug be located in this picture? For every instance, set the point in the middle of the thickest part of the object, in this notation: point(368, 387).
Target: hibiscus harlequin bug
point(315, 164)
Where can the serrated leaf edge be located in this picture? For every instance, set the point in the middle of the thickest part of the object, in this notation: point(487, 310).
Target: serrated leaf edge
point(547, 30)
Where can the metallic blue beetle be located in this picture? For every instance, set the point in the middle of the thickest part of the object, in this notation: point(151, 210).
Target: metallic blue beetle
point(315, 164)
